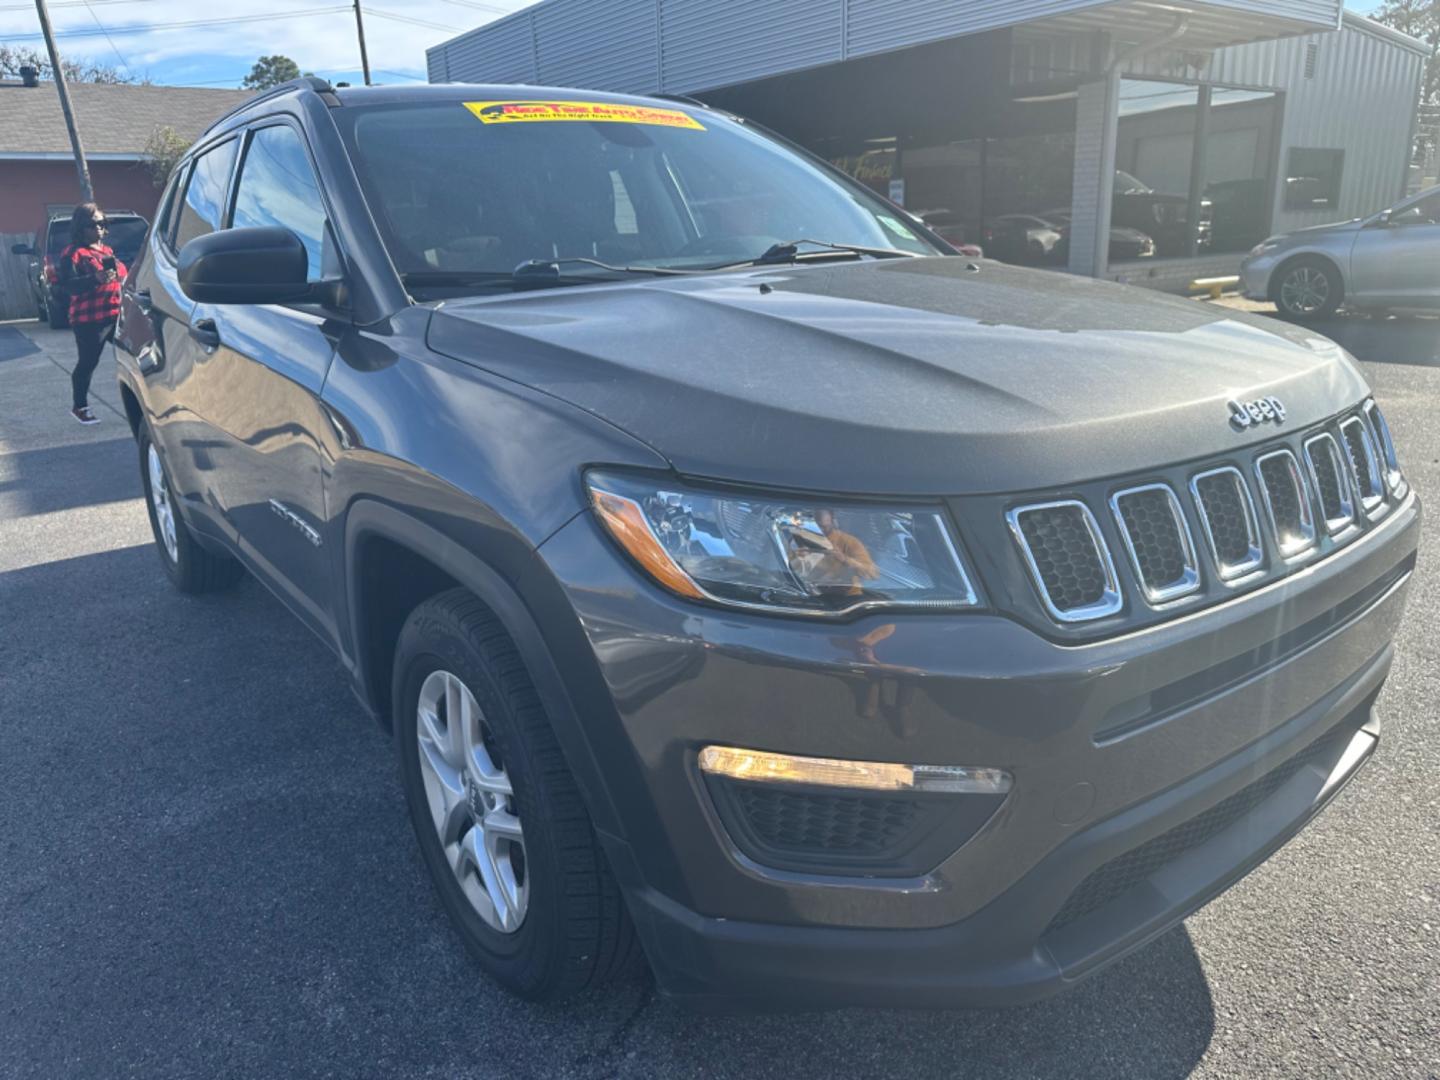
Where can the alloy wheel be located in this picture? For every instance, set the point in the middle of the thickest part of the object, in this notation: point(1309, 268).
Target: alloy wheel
point(160, 501)
point(472, 803)
point(1305, 290)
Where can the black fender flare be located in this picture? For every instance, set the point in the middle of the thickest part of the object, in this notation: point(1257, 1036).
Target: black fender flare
point(367, 518)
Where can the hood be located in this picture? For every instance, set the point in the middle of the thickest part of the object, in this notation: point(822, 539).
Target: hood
point(924, 376)
point(1353, 225)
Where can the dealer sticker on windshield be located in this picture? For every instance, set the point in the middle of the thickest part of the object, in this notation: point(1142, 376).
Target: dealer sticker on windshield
point(537, 112)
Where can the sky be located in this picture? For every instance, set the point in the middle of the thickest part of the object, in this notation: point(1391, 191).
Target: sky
point(151, 38)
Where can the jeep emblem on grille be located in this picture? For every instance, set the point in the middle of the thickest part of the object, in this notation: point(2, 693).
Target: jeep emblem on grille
point(1244, 414)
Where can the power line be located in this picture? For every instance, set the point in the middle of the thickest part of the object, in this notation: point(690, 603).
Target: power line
point(382, 13)
point(482, 7)
point(192, 24)
point(108, 38)
point(70, 4)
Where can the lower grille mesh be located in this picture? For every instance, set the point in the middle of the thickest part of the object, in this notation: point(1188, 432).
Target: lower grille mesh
point(1329, 478)
point(1222, 500)
point(1155, 537)
point(1282, 489)
point(1361, 459)
point(806, 822)
point(1126, 871)
point(1065, 555)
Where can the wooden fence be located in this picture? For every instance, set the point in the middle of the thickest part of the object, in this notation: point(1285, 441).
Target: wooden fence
point(17, 299)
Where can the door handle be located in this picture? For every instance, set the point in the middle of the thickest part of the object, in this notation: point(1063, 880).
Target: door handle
point(142, 299)
point(204, 331)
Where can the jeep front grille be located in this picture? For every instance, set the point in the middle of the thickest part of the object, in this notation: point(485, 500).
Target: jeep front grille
point(1364, 466)
point(1158, 540)
point(1332, 482)
point(1394, 478)
point(1227, 515)
point(1287, 502)
point(1253, 515)
point(1067, 556)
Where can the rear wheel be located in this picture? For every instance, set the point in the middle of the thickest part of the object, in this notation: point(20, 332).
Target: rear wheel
point(189, 566)
point(1309, 289)
point(500, 821)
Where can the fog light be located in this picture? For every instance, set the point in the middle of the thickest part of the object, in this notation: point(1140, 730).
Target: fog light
point(761, 766)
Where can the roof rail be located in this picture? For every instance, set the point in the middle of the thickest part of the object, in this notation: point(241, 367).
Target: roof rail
point(684, 99)
point(305, 82)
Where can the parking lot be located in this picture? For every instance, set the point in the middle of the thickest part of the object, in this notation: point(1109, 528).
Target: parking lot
point(206, 867)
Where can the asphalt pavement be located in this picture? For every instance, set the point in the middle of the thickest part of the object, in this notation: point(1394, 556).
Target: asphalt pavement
point(206, 869)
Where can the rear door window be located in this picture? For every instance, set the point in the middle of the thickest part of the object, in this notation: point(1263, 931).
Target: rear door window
point(204, 205)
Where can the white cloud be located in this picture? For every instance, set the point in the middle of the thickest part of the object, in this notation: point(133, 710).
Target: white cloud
point(322, 42)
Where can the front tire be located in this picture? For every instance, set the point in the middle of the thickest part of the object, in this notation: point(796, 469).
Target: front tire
point(190, 567)
point(500, 821)
point(1308, 289)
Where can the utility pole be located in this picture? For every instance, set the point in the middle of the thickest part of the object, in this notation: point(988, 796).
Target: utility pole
point(87, 191)
point(360, 26)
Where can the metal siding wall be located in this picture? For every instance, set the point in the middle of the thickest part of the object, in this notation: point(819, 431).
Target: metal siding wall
point(1361, 100)
point(708, 44)
point(501, 52)
point(877, 25)
point(1315, 11)
point(617, 52)
point(703, 44)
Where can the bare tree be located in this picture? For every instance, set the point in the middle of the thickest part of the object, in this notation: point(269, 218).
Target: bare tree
point(1420, 19)
point(15, 57)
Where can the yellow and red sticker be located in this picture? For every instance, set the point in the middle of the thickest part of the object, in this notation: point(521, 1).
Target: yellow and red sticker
point(538, 112)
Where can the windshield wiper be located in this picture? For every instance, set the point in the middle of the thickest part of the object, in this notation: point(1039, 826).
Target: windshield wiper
point(530, 274)
point(789, 252)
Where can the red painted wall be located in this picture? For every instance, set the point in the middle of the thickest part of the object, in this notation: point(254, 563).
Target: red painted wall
point(28, 187)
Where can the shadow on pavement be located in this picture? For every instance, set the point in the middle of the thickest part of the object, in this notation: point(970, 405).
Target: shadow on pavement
point(209, 871)
point(1381, 340)
point(66, 477)
point(14, 344)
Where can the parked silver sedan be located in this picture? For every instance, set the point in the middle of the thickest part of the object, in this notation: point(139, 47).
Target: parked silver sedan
point(1390, 260)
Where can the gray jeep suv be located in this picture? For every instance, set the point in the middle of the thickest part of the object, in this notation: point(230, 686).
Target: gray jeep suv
point(744, 578)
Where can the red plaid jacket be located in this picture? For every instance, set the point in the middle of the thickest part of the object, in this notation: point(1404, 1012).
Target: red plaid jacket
point(92, 299)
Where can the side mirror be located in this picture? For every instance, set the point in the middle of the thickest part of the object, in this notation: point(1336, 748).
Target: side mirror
point(245, 266)
point(21, 249)
point(1384, 218)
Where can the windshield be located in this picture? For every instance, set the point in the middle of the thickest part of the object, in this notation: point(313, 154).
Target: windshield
point(124, 236)
point(460, 188)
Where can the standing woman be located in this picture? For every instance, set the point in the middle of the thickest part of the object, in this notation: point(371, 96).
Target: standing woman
point(90, 275)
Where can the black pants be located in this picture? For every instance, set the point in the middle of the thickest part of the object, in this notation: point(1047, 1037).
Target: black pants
point(90, 339)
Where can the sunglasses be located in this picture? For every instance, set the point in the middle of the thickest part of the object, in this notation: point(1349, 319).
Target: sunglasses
point(100, 224)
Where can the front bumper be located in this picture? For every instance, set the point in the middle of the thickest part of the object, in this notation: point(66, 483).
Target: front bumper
point(1113, 745)
point(1255, 273)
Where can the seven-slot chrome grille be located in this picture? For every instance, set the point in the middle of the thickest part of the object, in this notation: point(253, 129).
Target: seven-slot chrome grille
point(1255, 514)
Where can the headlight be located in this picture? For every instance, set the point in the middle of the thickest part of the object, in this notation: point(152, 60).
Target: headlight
point(1264, 246)
point(802, 555)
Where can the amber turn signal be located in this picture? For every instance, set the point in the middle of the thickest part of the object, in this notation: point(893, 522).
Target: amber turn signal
point(626, 523)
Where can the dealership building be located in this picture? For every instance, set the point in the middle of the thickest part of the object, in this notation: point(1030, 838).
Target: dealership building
point(1142, 141)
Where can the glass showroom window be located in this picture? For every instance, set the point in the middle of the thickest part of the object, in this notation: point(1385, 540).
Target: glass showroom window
point(1193, 165)
point(1154, 159)
point(1238, 139)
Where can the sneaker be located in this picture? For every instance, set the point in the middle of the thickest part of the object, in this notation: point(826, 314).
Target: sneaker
point(84, 415)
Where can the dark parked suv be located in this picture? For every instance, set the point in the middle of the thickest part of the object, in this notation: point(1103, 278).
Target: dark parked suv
point(126, 234)
point(743, 577)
